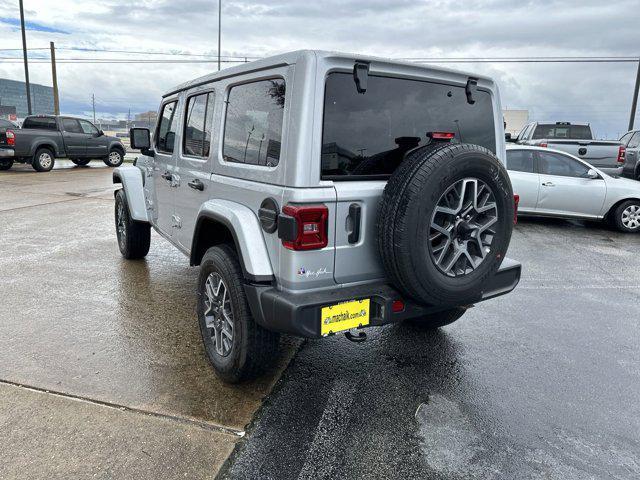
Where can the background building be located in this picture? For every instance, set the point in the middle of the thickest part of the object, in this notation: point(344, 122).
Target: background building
point(14, 94)
point(515, 119)
point(146, 119)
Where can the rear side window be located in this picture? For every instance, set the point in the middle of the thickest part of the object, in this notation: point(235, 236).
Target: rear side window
point(635, 141)
point(520, 160)
point(167, 128)
point(367, 135)
point(253, 125)
point(71, 125)
point(561, 165)
point(197, 128)
point(46, 123)
point(580, 132)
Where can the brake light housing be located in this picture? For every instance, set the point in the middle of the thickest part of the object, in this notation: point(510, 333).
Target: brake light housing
point(543, 145)
point(441, 135)
point(11, 137)
point(516, 202)
point(304, 227)
point(622, 151)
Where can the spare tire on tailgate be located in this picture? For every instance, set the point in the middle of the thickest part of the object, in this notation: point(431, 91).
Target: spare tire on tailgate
point(444, 223)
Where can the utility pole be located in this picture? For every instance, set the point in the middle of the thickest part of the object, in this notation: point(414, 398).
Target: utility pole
point(634, 103)
point(24, 54)
point(219, 30)
point(93, 104)
point(54, 75)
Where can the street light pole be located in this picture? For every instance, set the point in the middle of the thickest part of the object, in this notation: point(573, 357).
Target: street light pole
point(54, 76)
point(24, 54)
point(634, 104)
point(219, 30)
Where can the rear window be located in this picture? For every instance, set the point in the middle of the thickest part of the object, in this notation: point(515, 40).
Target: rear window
point(46, 123)
point(580, 132)
point(366, 135)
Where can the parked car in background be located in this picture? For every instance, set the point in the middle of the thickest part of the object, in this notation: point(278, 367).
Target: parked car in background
point(577, 140)
point(552, 183)
point(631, 142)
point(43, 138)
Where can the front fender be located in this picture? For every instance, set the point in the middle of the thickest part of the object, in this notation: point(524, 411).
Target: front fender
point(245, 228)
point(132, 182)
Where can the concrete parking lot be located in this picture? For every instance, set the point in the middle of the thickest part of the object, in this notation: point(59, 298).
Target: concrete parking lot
point(102, 372)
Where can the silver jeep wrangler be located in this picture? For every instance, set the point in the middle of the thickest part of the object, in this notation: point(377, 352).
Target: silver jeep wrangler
point(323, 193)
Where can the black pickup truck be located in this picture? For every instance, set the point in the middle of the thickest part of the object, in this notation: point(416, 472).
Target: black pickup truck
point(43, 138)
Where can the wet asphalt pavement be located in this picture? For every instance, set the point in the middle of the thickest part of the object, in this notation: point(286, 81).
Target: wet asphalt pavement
point(540, 383)
point(115, 341)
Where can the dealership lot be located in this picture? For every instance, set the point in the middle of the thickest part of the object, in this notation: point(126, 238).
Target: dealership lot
point(102, 371)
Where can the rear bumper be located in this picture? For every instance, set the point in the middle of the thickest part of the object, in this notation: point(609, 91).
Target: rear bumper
point(6, 153)
point(299, 313)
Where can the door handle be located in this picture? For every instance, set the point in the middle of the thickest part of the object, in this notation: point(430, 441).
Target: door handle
point(167, 176)
point(354, 217)
point(548, 184)
point(196, 184)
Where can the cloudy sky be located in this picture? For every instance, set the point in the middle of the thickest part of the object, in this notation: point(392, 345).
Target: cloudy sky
point(599, 93)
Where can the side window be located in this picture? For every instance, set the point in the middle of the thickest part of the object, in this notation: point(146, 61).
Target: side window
point(556, 164)
point(71, 125)
point(253, 124)
point(520, 160)
point(197, 128)
point(523, 133)
point(88, 127)
point(635, 141)
point(167, 128)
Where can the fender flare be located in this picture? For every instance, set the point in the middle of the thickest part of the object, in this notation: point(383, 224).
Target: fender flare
point(116, 144)
point(245, 229)
point(133, 185)
point(45, 143)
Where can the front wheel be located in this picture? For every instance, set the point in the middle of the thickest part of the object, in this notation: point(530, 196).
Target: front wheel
point(6, 164)
point(115, 158)
point(134, 238)
point(438, 319)
point(626, 216)
point(43, 160)
point(237, 347)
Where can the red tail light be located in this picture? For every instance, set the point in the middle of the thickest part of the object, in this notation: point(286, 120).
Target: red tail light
point(441, 135)
point(621, 154)
point(11, 137)
point(543, 145)
point(309, 230)
point(516, 201)
point(397, 306)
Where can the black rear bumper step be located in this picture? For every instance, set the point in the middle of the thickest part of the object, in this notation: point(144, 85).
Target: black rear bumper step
point(299, 313)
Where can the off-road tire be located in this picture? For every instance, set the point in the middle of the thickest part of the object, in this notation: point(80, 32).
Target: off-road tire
point(81, 162)
point(6, 164)
point(617, 216)
point(404, 216)
point(137, 235)
point(438, 319)
point(253, 348)
point(109, 160)
point(40, 163)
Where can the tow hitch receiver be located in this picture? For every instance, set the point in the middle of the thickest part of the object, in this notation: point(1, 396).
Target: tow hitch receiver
point(351, 336)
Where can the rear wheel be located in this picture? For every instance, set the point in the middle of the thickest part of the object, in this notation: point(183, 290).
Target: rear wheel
point(6, 164)
point(134, 238)
point(115, 158)
point(81, 162)
point(438, 319)
point(444, 223)
point(626, 217)
point(43, 160)
point(237, 347)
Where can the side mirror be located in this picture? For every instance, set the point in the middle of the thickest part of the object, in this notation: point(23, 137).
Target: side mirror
point(507, 137)
point(140, 139)
point(100, 133)
point(592, 174)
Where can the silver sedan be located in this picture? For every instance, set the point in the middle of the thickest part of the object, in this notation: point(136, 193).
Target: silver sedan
point(552, 183)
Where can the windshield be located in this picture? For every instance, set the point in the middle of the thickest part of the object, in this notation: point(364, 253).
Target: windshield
point(580, 132)
point(368, 134)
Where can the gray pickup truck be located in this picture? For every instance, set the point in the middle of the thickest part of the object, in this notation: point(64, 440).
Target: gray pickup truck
point(577, 140)
point(43, 138)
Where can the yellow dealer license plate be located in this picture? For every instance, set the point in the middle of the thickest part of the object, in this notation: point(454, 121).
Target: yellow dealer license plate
point(344, 316)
